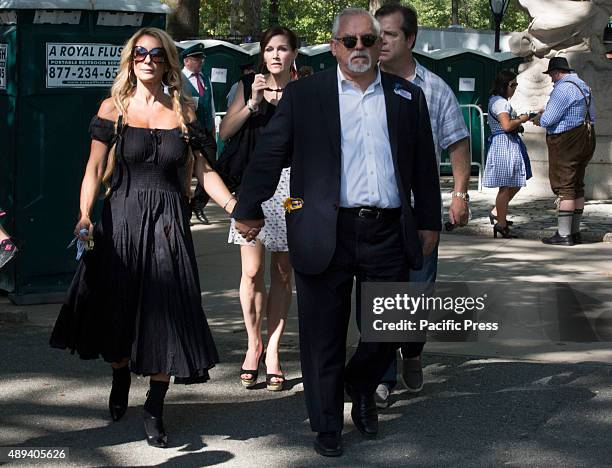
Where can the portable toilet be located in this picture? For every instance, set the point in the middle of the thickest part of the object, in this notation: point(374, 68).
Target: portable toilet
point(319, 57)
point(469, 73)
point(221, 65)
point(58, 59)
point(425, 59)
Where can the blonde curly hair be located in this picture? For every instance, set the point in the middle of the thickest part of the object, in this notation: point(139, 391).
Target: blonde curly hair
point(124, 87)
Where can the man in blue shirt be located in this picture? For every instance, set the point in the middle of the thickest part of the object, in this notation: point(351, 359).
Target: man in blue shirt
point(570, 136)
point(398, 30)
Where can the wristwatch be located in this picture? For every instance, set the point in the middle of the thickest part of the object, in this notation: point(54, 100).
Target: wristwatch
point(464, 195)
point(252, 107)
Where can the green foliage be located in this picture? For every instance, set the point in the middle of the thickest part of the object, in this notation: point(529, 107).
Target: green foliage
point(214, 17)
point(474, 14)
point(312, 19)
point(432, 13)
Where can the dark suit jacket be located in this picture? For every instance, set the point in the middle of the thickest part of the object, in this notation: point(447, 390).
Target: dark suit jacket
point(204, 112)
point(306, 130)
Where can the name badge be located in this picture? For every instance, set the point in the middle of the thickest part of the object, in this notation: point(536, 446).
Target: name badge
point(403, 93)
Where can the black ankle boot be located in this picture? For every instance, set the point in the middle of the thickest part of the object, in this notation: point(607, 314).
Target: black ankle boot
point(118, 399)
point(152, 414)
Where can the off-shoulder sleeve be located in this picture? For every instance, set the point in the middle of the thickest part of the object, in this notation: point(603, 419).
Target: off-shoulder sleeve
point(203, 140)
point(101, 129)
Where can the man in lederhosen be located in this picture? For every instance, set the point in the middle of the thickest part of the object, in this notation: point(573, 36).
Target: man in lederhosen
point(570, 136)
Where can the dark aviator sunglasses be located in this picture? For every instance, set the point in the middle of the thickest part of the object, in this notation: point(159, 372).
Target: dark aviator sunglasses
point(158, 54)
point(350, 42)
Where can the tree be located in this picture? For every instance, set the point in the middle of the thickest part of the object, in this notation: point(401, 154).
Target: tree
point(234, 17)
point(376, 4)
point(251, 19)
point(454, 12)
point(273, 12)
point(474, 14)
point(312, 19)
point(184, 21)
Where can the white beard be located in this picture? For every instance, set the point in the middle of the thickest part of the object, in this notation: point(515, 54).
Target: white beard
point(362, 67)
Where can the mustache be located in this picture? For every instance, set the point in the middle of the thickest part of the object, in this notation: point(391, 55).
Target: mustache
point(359, 54)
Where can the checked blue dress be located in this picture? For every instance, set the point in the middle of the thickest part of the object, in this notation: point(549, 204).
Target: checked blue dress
point(507, 159)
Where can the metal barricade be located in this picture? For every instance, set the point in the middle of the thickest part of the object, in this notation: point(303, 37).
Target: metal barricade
point(479, 164)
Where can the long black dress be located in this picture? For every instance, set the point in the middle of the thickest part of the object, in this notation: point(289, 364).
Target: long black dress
point(137, 293)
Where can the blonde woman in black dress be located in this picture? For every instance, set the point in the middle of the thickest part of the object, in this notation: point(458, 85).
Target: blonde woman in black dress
point(135, 299)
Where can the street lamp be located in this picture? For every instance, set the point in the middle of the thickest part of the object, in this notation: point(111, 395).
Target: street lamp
point(498, 8)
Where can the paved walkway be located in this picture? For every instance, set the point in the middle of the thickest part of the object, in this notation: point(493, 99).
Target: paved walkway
point(534, 217)
point(483, 404)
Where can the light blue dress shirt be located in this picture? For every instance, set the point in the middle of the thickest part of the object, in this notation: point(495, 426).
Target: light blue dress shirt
point(367, 171)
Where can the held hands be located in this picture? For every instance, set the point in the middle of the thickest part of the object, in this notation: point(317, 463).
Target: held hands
point(257, 89)
point(429, 239)
point(84, 223)
point(249, 228)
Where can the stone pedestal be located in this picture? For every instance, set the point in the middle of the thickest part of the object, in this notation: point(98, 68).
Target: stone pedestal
point(598, 178)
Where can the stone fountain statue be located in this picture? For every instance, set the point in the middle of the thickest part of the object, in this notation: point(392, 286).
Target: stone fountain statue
point(573, 29)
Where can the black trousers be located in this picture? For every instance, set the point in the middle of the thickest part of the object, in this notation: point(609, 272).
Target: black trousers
point(366, 250)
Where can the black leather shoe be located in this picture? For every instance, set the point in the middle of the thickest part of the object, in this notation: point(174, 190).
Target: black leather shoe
point(558, 239)
point(154, 428)
point(364, 413)
point(199, 214)
point(328, 444)
point(577, 238)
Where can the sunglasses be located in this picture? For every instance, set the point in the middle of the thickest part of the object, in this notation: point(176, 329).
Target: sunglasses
point(513, 85)
point(158, 54)
point(350, 42)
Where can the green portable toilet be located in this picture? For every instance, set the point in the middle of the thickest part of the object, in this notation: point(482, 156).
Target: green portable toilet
point(58, 59)
point(221, 65)
point(319, 57)
point(425, 59)
point(302, 59)
point(252, 48)
point(508, 61)
point(469, 74)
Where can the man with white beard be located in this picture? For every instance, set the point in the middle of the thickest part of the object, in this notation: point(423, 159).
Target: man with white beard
point(359, 142)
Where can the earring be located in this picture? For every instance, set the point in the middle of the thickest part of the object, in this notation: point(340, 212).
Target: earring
point(132, 77)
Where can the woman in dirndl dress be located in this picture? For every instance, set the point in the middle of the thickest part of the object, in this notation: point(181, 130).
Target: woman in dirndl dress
point(507, 161)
